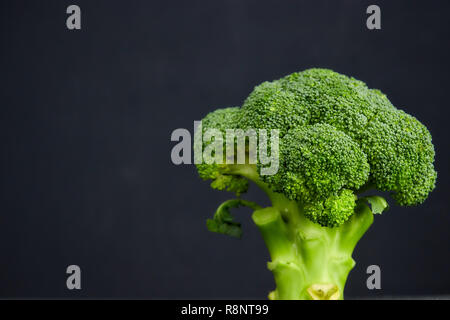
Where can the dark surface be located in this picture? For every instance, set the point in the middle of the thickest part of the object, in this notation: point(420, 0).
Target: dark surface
point(86, 118)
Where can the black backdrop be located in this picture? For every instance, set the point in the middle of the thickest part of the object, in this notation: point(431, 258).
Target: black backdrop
point(86, 118)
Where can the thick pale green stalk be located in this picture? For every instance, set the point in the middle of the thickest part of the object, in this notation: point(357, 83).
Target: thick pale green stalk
point(308, 261)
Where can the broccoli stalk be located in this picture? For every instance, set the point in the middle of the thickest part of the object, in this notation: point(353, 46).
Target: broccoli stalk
point(338, 139)
point(308, 261)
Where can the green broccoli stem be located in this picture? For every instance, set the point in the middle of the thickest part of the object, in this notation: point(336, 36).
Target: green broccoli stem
point(308, 261)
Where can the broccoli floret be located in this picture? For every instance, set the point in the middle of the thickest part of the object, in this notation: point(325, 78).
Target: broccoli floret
point(317, 161)
point(401, 155)
point(333, 211)
point(338, 138)
point(270, 106)
point(222, 178)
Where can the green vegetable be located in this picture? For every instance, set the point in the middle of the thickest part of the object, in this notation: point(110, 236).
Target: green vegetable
point(338, 138)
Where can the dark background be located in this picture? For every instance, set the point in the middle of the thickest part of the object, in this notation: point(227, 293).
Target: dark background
point(86, 118)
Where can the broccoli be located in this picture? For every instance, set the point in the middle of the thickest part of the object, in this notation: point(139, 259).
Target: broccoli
point(338, 139)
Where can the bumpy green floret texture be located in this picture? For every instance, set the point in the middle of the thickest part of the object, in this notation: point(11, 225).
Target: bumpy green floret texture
point(316, 162)
point(397, 146)
point(334, 211)
point(401, 156)
point(271, 106)
point(221, 119)
point(336, 135)
point(221, 178)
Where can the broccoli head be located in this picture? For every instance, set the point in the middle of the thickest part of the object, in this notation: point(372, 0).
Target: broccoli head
point(338, 138)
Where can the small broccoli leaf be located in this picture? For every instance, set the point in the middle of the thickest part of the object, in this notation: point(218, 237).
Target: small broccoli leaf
point(378, 204)
point(223, 222)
